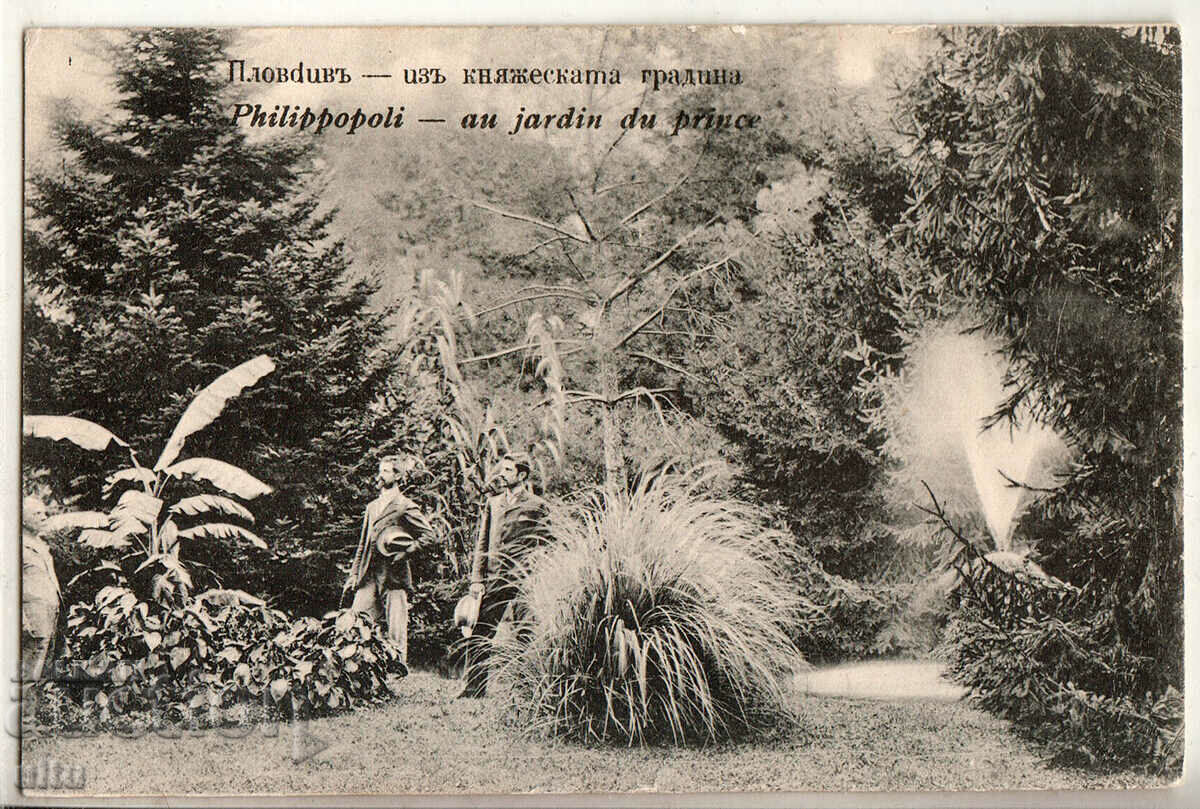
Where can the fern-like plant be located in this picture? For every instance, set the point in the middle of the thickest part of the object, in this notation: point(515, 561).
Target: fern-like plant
point(656, 616)
point(141, 516)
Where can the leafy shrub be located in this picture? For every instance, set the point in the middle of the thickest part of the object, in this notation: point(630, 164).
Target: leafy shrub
point(1034, 650)
point(129, 662)
point(341, 662)
point(652, 616)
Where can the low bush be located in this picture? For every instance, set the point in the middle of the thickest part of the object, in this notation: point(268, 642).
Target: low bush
point(653, 616)
point(128, 662)
point(341, 662)
point(1038, 652)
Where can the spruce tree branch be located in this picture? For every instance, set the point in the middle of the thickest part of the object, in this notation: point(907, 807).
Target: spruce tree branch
point(612, 146)
point(579, 212)
point(666, 364)
point(527, 299)
point(504, 352)
point(542, 244)
point(641, 209)
point(634, 393)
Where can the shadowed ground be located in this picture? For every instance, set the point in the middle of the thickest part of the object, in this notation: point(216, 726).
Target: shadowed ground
point(427, 741)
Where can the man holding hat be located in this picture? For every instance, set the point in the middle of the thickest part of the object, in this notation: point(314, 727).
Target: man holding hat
point(393, 527)
point(509, 526)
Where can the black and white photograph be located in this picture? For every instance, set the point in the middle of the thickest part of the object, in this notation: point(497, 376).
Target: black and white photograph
point(630, 410)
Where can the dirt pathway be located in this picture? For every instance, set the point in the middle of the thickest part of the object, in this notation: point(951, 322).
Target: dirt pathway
point(882, 679)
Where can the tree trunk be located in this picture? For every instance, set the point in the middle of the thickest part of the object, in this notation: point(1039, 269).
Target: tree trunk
point(614, 464)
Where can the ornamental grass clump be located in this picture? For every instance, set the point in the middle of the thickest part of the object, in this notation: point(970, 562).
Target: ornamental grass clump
point(656, 616)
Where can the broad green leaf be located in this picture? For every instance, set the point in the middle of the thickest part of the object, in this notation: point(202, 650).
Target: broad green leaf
point(173, 571)
point(175, 567)
point(96, 665)
point(76, 519)
point(139, 474)
point(81, 432)
point(197, 609)
point(279, 688)
point(179, 656)
point(168, 535)
point(139, 506)
point(209, 403)
point(221, 530)
point(108, 595)
point(224, 476)
point(100, 538)
point(204, 503)
point(121, 672)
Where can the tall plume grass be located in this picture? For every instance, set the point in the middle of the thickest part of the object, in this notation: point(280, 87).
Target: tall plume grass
point(656, 616)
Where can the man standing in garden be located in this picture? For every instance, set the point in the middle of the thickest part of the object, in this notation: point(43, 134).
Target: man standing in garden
point(508, 528)
point(393, 527)
point(39, 592)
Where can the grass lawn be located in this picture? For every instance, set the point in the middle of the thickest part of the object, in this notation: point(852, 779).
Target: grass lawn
point(428, 742)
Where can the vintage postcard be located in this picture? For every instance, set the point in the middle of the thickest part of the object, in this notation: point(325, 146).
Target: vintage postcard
point(574, 410)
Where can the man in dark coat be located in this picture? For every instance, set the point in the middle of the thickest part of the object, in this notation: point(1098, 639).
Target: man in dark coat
point(509, 526)
point(393, 528)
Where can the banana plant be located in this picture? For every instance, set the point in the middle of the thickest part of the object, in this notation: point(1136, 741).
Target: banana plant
point(143, 516)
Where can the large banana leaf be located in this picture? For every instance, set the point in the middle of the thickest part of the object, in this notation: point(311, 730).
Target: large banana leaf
point(139, 506)
point(224, 476)
point(168, 536)
point(133, 473)
point(204, 503)
point(100, 538)
point(209, 403)
point(222, 530)
point(76, 519)
point(81, 432)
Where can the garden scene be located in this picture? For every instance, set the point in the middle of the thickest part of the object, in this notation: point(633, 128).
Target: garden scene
point(840, 452)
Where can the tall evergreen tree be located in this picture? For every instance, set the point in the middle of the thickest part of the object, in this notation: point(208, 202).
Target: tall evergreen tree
point(165, 248)
point(1046, 185)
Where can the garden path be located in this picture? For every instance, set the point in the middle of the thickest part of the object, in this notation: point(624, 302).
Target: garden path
point(881, 679)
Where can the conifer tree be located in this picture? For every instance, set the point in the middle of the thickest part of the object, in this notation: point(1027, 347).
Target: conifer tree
point(164, 248)
point(1046, 185)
